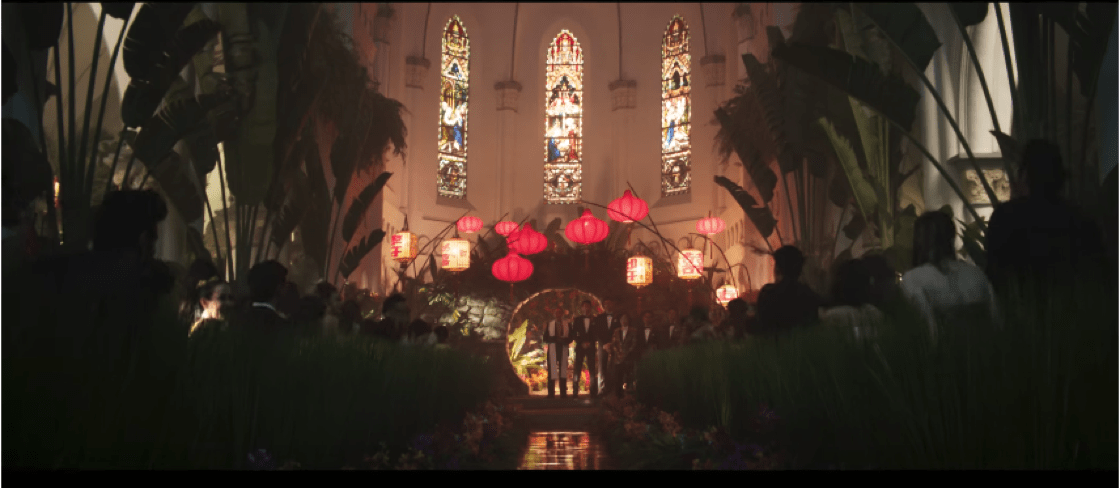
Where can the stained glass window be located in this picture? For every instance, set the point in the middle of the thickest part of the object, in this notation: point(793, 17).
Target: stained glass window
point(563, 124)
point(454, 81)
point(676, 109)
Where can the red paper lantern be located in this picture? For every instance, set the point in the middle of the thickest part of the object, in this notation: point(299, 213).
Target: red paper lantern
point(505, 227)
point(628, 208)
point(527, 241)
point(710, 226)
point(586, 229)
point(469, 224)
point(512, 268)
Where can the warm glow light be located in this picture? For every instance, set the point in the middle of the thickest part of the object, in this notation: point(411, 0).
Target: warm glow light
point(587, 229)
point(628, 208)
point(690, 264)
point(639, 271)
point(512, 268)
point(456, 254)
point(55, 192)
point(726, 293)
point(403, 247)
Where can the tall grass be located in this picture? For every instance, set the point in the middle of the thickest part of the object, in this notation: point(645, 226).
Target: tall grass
point(110, 384)
point(1038, 393)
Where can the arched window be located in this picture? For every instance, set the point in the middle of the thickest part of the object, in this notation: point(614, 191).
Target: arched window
point(454, 83)
point(676, 109)
point(563, 124)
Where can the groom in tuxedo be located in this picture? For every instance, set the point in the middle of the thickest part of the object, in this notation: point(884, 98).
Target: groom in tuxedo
point(586, 335)
point(557, 336)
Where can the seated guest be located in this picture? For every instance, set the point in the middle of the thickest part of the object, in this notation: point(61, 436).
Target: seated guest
point(266, 279)
point(788, 302)
point(940, 286)
point(214, 300)
point(442, 337)
point(851, 296)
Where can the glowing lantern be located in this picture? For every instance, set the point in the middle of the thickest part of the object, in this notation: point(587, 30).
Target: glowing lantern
point(710, 226)
point(639, 271)
point(512, 268)
point(690, 263)
point(469, 224)
point(55, 192)
point(726, 293)
point(456, 254)
point(505, 228)
point(586, 229)
point(403, 247)
point(527, 241)
point(628, 208)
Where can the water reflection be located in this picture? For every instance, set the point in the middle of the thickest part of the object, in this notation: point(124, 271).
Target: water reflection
point(564, 451)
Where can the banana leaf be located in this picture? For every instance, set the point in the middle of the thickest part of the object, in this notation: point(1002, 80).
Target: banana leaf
point(858, 78)
point(1009, 148)
point(862, 189)
point(343, 153)
point(855, 227)
point(167, 55)
point(352, 258)
point(197, 246)
point(386, 127)
point(41, 22)
point(970, 13)
point(118, 10)
point(314, 224)
point(769, 96)
point(906, 25)
point(26, 171)
point(173, 173)
point(289, 215)
point(176, 121)
point(360, 205)
point(741, 129)
point(249, 157)
point(761, 216)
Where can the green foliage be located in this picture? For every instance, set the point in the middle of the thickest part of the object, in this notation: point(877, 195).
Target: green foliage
point(1038, 393)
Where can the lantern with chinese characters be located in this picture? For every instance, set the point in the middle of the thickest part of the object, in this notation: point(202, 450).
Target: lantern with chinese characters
point(639, 271)
point(628, 208)
point(690, 264)
point(456, 254)
point(726, 293)
point(527, 241)
point(587, 229)
point(505, 228)
point(469, 224)
point(512, 268)
point(403, 246)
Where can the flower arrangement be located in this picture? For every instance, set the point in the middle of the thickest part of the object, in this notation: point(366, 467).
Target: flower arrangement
point(645, 437)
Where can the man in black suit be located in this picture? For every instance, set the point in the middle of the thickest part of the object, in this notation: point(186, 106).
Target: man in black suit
point(674, 333)
point(607, 324)
point(585, 333)
point(648, 338)
point(266, 279)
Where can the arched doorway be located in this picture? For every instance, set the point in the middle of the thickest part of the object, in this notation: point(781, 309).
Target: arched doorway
point(525, 326)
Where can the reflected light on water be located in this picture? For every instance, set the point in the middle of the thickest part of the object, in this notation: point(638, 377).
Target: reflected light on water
point(563, 451)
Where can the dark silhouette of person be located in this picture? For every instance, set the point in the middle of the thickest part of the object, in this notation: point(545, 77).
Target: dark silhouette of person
point(350, 316)
point(200, 271)
point(675, 333)
point(788, 302)
point(394, 322)
point(213, 300)
point(266, 279)
point(851, 305)
point(734, 326)
point(884, 281)
point(1039, 235)
point(309, 315)
point(419, 333)
point(940, 286)
point(443, 335)
point(606, 324)
point(287, 303)
point(586, 335)
point(649, 337)
point(624, 349)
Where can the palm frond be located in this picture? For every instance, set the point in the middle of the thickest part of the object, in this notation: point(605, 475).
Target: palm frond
point(761, 216)
point(360, 205)
point(290, 214)
point(353, 256)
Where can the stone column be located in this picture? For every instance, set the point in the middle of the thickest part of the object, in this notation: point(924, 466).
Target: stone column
point(714, 69)
point(623, 101)
point(382, 25)
point(508, 96)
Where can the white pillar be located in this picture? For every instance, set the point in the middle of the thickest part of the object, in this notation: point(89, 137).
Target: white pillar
point(508, 96)
point(623, 102)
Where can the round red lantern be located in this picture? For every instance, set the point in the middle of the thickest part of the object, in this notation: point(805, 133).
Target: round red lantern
point(469, 224)
point(710, 226)
point(586, 229)
point(505, 227)
point(512, 268)
point(628, 209)
point(527, 241)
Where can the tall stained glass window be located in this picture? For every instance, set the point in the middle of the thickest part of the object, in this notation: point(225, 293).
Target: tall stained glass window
point(563, 120)
point(676, 109)
point(454, 81)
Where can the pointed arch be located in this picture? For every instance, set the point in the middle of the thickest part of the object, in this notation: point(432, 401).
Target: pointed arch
point(563, 125)
point(676, 109)
point(453, 110)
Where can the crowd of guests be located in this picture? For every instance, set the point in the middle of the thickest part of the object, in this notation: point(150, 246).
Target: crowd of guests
point(275, 304)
